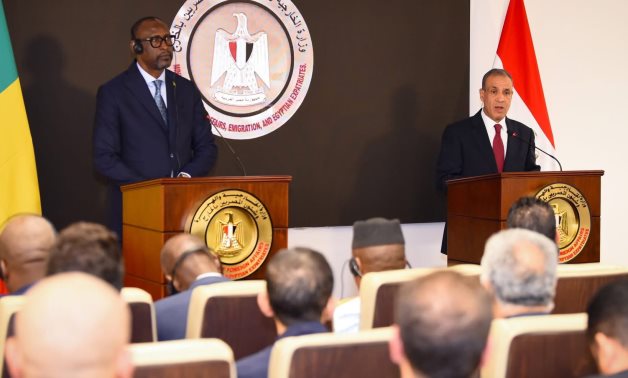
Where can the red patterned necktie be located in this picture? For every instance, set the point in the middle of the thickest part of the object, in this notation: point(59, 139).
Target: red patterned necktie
point(498, 148)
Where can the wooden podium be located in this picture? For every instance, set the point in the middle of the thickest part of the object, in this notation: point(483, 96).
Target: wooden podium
point(155, 210)
point(478, 206)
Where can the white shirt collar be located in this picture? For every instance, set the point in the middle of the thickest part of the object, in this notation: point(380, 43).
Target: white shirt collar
point(148, 78)
point(489, 124)
point(208, 274)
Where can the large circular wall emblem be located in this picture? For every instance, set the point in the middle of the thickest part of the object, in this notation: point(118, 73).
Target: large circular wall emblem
point(237, 226)
point(573, 218)
point(252, 61)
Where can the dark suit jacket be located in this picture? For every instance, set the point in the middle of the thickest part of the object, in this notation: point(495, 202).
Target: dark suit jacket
point(256, 365)
point(467, 151)
point(133, 143)
point(172, 312)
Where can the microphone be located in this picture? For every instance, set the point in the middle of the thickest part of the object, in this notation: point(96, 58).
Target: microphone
point(516, 135)
point(235, 154)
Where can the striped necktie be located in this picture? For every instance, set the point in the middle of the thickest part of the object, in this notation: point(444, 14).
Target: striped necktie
point(160, 101)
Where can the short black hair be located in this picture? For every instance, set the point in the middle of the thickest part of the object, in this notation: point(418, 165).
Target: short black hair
point(495, 72)
point(136, 24)
point(90, 248)
point(533, 214)
point(444, 320)
point(299, 282)
point(608, 312)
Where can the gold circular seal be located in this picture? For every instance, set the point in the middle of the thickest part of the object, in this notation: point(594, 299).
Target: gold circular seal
point(237, 226)
point(573, 218)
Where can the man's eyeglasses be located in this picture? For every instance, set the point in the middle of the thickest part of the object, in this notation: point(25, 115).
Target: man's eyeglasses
point(156, 41)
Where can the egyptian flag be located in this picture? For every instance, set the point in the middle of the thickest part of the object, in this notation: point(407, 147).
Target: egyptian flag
point(515, 53)
point(18, 174)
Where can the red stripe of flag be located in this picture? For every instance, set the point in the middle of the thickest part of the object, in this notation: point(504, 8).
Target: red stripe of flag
point(516, 52)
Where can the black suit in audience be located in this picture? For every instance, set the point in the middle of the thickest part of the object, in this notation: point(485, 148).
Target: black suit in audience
point(299, 283)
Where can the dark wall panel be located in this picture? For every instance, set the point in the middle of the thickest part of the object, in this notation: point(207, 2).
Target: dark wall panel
point(388, 76)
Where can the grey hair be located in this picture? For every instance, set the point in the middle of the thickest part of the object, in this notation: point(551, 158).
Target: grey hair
point(513, 281)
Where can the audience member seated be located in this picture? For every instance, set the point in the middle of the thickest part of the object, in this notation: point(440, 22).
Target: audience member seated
point(533, 214)
point(378, 245)
point(24, 250)
point(442, 322)
point(187, 263)
point(519, 269)
point(607, 329)
point(299, 283)
point(71, 325)
point(89, 248)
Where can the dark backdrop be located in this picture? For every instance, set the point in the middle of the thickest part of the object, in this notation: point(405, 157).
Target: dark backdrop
point(388, 76)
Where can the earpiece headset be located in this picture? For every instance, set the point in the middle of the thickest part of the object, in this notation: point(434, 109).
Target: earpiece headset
point(137, 47)
point(355, 269)
point(170, 285)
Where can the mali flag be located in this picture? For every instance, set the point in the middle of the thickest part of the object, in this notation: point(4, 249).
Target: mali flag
point(19, 190)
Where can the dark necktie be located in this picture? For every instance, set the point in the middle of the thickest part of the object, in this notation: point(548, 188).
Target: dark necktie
point(498, 148)
point(160, 101)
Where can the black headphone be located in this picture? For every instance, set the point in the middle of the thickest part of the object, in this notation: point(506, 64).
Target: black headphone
point(355, 269)
point(170, 285)
point(138, 48)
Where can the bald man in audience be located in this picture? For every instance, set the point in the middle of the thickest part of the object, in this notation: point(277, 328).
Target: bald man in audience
point(299, 283)
point(442, 322)
point(187, 263)
point(378, 245)
point(519, 268)
point(607, 329)
point(90, 248)
point(533, 214)
point(71, 325)
point(25, 242)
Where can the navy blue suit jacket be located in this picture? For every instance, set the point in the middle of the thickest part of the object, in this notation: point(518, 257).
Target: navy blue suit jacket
point(256, 365)
point(131, 141)
point(172, 311)
point(466, 151)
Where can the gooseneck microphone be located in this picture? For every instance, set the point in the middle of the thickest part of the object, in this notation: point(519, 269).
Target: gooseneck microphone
point(516, 135)
point(235, 154)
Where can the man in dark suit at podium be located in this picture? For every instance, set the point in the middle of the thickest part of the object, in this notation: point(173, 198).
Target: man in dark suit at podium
point(487, 142)
point(150, 123)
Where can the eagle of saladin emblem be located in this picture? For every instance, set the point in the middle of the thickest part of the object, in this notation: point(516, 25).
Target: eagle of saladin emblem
point(237, 226)
point(573, 218)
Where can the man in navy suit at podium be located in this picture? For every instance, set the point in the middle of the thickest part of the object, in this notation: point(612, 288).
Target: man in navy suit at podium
point(487, 142)
point(149, 123)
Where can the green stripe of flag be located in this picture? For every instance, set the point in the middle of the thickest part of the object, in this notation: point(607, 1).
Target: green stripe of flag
point(8, 72)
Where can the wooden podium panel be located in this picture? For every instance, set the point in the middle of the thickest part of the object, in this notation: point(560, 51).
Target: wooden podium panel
point(478, 206)
point(155, 210)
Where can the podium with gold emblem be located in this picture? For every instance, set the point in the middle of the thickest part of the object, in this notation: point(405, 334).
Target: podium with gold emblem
point(478, 206)
point(243, 219)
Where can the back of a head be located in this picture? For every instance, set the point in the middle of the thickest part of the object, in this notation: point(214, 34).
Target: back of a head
point(90, 248)
point(608, 313)
point(379, 244)
point(183, 258)
point(25, 242)
point(71, 325)
point(177, 249)
point(520, 267)
point(299, 283)
point(533, 214)
point(444, 320)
